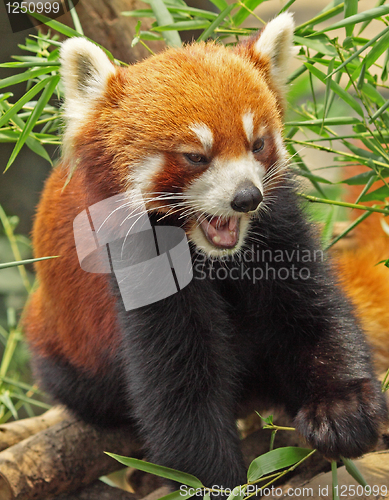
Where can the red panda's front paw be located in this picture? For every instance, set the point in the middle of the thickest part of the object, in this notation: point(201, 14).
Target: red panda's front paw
point(345, 426)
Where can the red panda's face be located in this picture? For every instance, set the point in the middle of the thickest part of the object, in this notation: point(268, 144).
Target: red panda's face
point(196, 130)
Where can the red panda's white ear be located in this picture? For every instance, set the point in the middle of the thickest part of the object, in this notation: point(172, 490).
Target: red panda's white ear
point(85, 70)
point(270, 51)
point(276, 43)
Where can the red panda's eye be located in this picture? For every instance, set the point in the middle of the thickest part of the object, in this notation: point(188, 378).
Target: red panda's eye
point(258, 146)
point(196, 158)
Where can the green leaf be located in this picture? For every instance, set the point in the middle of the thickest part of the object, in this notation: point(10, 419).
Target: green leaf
point(360, 179)
point(220, 18)
point(159, 470)
point(340, 120)
point(361, 152)
point(313, 177)
point(348, 229)
point(377, 50)
point(379, 194)
point(6, 400)
point(194, 24)
point(327, 100)
point(379, 112)
point(163, 17)
point(359, 51)
point(367, 15)
point(27, 75)
point(243, 13)
point(346, 97)
point(55, 25)
point(38, 149)
point(366, 23)
point(316, 44)
point(220, 4)
point(323, 16)
point(286, 7)
point(138, 13)
point(238, 493)
point(22, 101)
point(75, 18)
point(194, 12)
point(25, 262)
point(52, 82)
point(178, 495)
point(335, 484)
point(350, 9)
point(275, 460)
point(326, 234)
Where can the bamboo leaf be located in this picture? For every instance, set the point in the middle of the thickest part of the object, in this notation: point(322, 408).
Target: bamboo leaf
point(352, 469)
point(243, 13)
point(27, 75)
point(366, 23)
point(75, 18)
point(358, 180)
point(379, 112)
point(377, 50)
point(38, 149)
point(22, 101)
point(379, 194)
point(30, 123)
point(194, 24)
point(179, 495)
point(25, 262)
point(335, 484)
point(163, 17)
point(360, 219)
point(275, 460)
point(220, 18)
point(367, 15)
point(359, 51)
point(315, 44)
point(220, 4)
point(159, 470)
point(323, 16)
point(286, 7)
point(350, 9)
point(336, 88)
point(341, 120)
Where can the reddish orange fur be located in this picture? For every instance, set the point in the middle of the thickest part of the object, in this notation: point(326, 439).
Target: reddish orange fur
point(89, 307)
point(366, 283)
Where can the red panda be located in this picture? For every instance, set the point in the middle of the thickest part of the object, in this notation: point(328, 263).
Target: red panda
point(198, 132)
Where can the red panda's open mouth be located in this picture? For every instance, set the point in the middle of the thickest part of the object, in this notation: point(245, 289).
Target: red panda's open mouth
point(221, 232)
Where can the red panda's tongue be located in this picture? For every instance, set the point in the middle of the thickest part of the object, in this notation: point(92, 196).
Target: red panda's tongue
point(222, 232)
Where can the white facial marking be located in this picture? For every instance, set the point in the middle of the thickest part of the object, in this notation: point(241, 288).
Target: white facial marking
point(143, 172)
point(282, 153)
point(248, 125)
point(214, 191)
point(204, 134)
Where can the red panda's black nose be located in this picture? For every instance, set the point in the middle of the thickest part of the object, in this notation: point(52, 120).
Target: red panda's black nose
point(247, 198)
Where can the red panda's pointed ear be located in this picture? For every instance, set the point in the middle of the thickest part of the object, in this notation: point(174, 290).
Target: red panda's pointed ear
point(85, 70)
point(271, 51)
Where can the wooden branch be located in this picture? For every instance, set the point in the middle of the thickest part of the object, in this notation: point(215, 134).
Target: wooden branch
point(63, 458)
point(14, 432)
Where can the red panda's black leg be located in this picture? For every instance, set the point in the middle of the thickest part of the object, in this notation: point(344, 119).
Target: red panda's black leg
point(98, 398)
point(310, 350)
point(181, 375)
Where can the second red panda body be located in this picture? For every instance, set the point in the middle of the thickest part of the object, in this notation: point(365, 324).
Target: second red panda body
point(198, 131)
